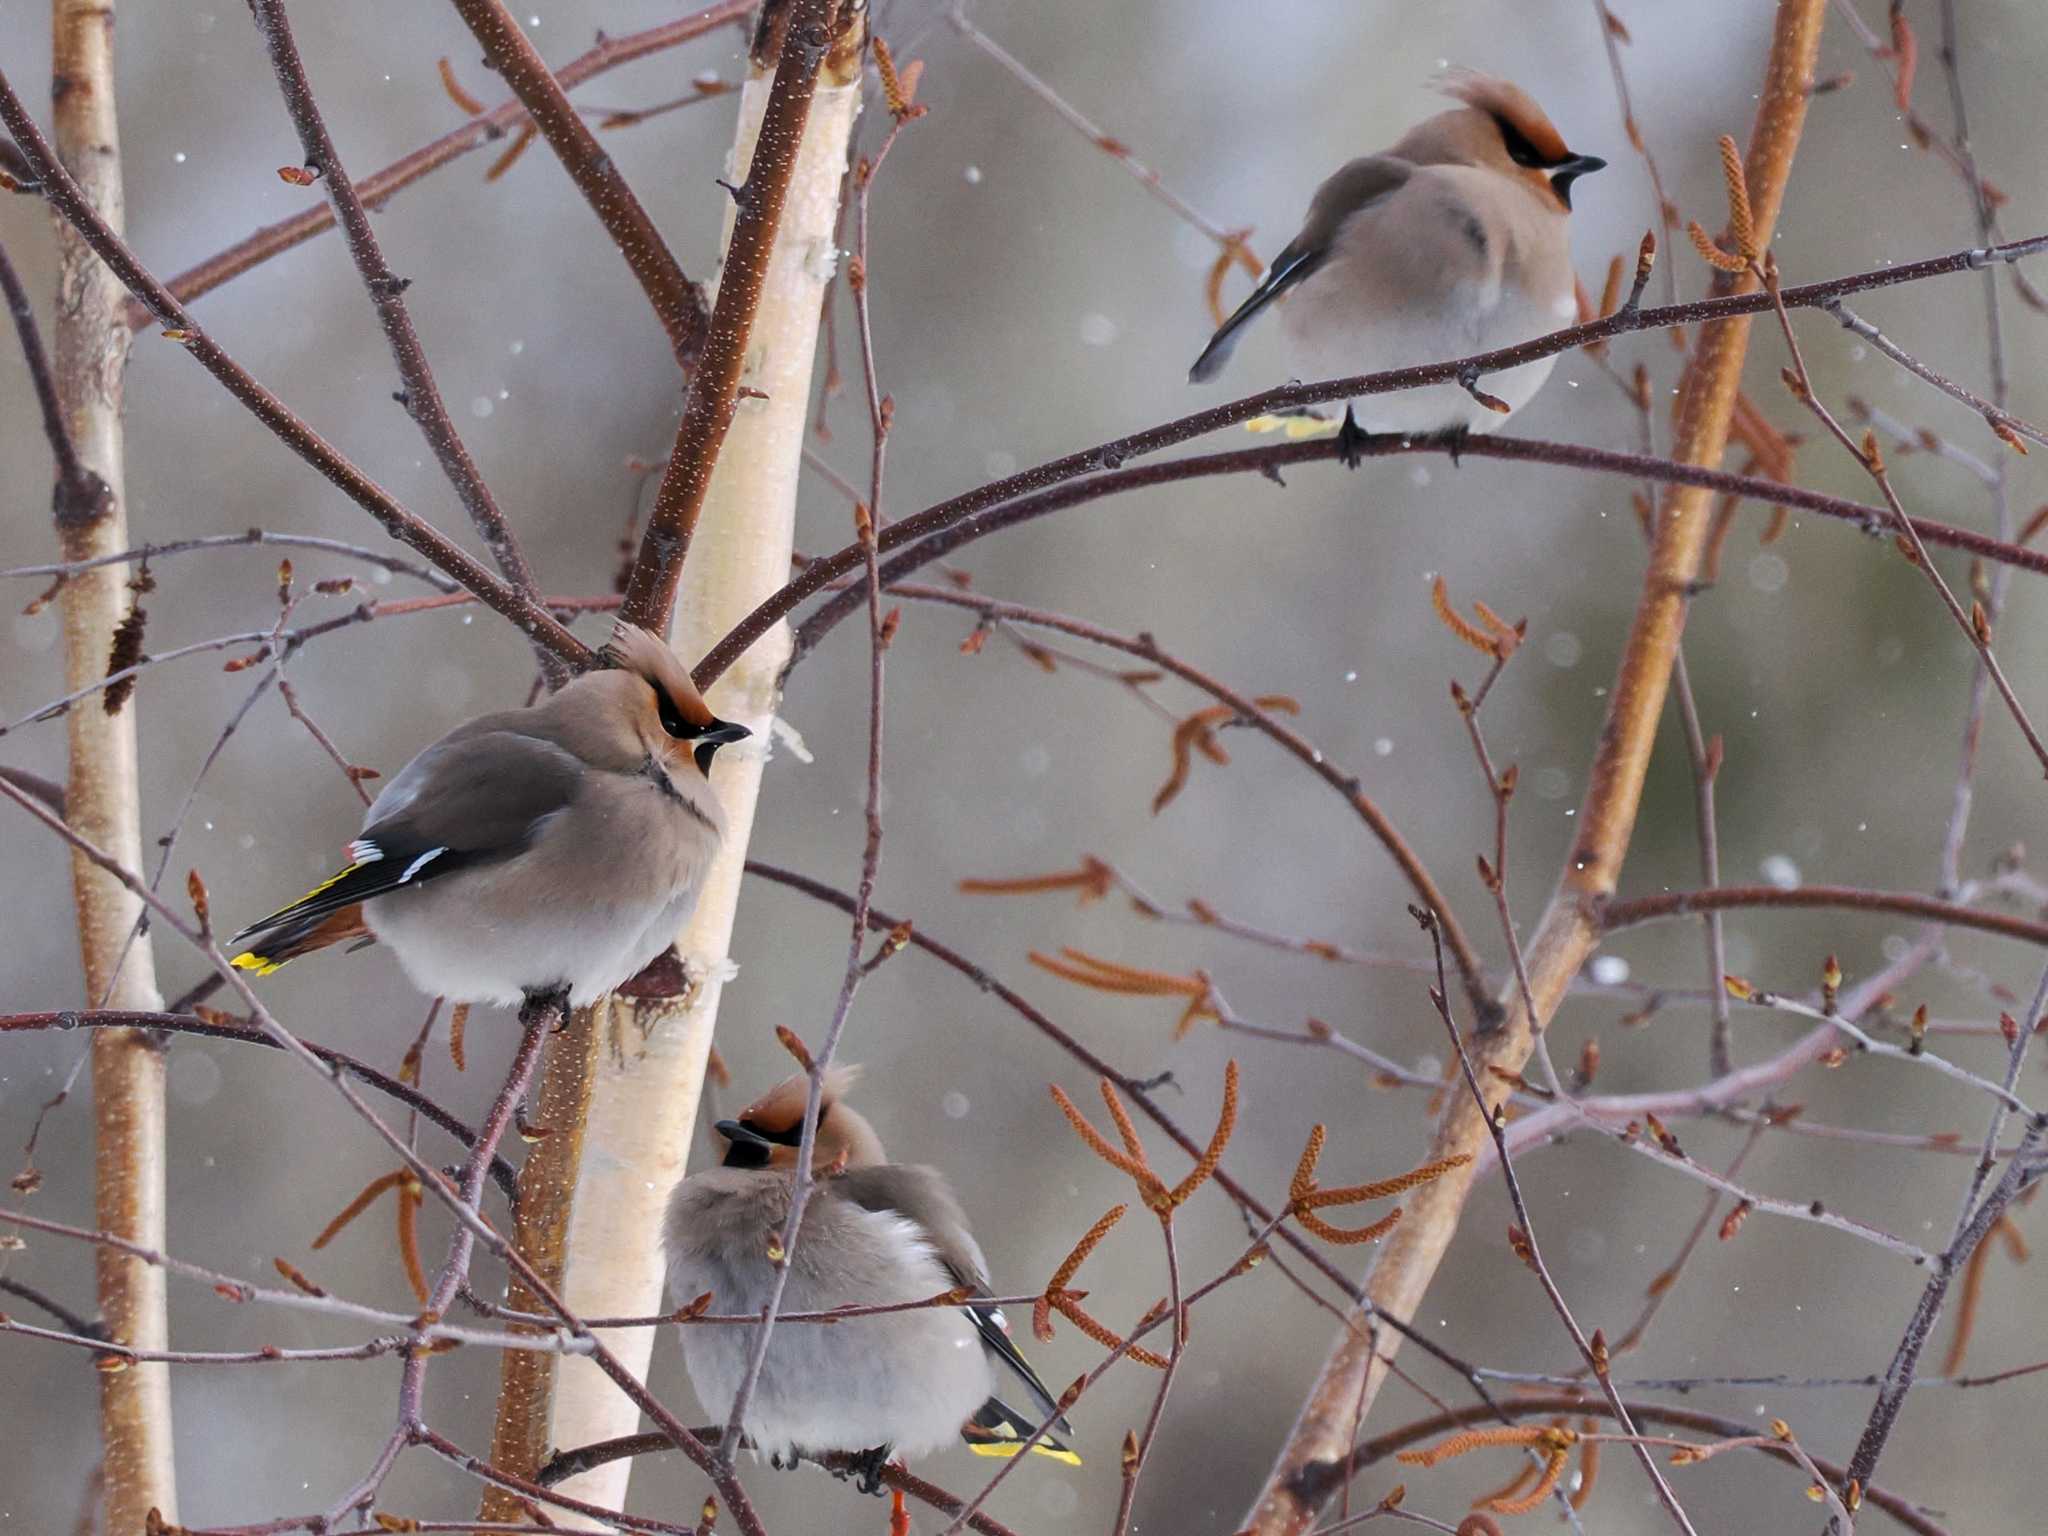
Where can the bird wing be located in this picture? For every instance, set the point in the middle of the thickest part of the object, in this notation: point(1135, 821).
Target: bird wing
point(921, 1195)
point(472, 797)
point(1355, 187)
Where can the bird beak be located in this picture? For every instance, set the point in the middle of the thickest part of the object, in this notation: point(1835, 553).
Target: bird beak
point(719, 733)
point(746, 1148)
point(1564, 174)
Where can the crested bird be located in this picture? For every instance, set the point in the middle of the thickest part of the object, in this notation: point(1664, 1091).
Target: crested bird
point(559, 847)
point(1454, 241)
point(873, 1233)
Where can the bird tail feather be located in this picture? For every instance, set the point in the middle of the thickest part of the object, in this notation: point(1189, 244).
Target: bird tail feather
point(998, 1430)
point(281, 945)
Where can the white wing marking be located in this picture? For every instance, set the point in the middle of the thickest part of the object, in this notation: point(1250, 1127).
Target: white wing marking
point(419, 863)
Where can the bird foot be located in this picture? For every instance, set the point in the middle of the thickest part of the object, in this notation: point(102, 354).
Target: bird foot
point(866, 1468)
point(1349, 438)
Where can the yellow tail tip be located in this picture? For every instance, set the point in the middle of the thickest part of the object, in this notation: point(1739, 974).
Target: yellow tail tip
point(1293, 427)
point(262, 965)
point(1008, 1448)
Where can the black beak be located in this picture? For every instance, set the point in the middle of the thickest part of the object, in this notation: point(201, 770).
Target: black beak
point(717, 734)
point(748, 1148)
point(1563, 174)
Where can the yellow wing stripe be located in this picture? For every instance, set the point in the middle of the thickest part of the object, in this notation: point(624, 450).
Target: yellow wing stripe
point(334, 879)
point(261, 964)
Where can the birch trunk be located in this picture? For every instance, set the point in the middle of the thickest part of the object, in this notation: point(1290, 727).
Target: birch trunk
point(102, 792)
point(644, 1100)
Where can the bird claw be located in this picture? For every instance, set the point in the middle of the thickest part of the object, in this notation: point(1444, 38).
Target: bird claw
point(1349, 437)
point(868, 1465)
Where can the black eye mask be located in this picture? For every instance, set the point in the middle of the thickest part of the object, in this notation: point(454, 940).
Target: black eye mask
point(751, 1147)
point(709, 737)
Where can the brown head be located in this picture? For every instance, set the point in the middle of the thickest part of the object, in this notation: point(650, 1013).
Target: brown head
point(1500, 128)
point(642, 706)
point(768, 1131)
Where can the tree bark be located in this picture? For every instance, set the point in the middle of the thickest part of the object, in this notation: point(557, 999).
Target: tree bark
point(102, 793)
point(1310, 1466)
point(647, 1067)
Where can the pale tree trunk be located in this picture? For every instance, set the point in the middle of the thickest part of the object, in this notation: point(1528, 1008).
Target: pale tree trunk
point(649, 1064)
point(102, 793)
point(1311, 1466)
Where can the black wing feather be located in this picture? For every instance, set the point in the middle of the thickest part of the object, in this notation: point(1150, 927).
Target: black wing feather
point(359, 881)
point(1289, 268)
point(475, 796)
point(1354, 187)
point(920, 1195)
point(987, 1323)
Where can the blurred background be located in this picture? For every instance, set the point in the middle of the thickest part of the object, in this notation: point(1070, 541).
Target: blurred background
point(1029, 299)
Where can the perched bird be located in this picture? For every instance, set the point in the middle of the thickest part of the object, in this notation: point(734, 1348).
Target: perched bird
point(556, 847)
point(874, 1232)
point(1450, 243)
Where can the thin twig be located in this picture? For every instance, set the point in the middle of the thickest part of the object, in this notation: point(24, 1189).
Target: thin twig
point(71, 203)
point(419, 395)
point(1113, 454)
point(274, 239)
point(1528, 1247)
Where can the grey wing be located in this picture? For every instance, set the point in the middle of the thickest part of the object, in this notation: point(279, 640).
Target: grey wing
point(476, 795)
point(473, 796)
point(1356, 186)
point(922, 1195)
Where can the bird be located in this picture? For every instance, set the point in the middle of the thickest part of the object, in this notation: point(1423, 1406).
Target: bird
point(1454, 241)
point(556, 848)
point(874, 1232)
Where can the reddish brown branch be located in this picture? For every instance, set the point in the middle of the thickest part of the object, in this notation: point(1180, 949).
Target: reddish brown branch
point(714, 387)
point(1647, 909)
point(219, 1028)
point(76, 209)
point(419, 395)
point(80, 494)
point(678, 302)
point(1312, 757)
point(274, 239)
point(1371, 1452)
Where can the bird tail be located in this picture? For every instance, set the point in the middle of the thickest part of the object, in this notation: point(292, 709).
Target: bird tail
point(283, 943)
point(997, 1430)
point(1289, 268)
point(1225, 341)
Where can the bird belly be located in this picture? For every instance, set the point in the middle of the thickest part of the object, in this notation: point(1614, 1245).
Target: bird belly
point(596, 895)
point(1328, 340)
point(457, 942)
point(907, 1380)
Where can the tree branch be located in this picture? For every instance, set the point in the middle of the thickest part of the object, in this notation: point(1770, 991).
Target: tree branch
point(419, 395)
point(78, 212)
point(811, 30)
point(678, 302)
point(1568, 934)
